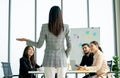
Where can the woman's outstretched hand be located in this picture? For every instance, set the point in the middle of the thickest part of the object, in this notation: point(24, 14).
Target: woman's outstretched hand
point(21, 39)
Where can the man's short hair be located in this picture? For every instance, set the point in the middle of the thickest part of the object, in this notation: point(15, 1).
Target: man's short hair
point(85, 44)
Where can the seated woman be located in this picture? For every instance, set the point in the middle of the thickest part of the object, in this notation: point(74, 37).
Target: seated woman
point(27, 63)
point(99, 62)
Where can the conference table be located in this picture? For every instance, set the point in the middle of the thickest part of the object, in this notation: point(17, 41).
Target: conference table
point(76, 72)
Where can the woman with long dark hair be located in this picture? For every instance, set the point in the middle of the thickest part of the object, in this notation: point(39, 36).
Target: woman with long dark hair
point(54, 33)
point(27, 63)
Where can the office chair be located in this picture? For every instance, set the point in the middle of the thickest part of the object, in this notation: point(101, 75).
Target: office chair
point(7, 70)
point(109, 63)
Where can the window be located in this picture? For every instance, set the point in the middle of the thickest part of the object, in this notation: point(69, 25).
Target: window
point(102, 16)
point(75, 13)
point(3, 32)
point(22, 25)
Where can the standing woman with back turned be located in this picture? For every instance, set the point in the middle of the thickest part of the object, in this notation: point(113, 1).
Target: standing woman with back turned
point(54, 33)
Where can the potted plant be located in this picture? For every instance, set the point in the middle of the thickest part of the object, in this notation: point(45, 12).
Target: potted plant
point(115, 66)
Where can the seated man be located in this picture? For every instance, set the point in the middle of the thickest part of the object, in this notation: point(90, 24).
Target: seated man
point(87, 59)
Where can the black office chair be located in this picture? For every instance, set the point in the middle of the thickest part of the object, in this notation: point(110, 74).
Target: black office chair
point(7, 70)
point(109, 63)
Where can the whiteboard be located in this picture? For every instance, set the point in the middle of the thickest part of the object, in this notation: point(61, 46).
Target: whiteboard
point(80, 36)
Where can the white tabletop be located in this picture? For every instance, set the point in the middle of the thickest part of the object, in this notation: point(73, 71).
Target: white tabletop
point(42, 72)
point(78, 71)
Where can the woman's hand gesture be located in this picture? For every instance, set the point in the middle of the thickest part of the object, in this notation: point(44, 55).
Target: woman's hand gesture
point(21, 39)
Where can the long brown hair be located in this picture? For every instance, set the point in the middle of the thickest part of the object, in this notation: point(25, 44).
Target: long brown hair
point(25, 54)
point(96, 43)
point(55, 23)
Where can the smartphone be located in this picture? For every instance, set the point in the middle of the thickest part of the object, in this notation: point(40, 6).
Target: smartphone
point(77, 65)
